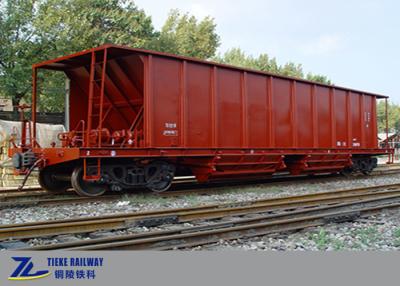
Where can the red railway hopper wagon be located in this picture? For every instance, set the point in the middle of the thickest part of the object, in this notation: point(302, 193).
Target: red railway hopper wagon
point(138, 118)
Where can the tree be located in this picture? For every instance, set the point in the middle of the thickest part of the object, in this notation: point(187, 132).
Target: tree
point(18, 49)
point(32, 31)
point(185, 35)
point(319, 78)
point(67, 26)
point(292, 69)
point(237, 57)
point(263, 62)
point(35, 30)
point(393, 117)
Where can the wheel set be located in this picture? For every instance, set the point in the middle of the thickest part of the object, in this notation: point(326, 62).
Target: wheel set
point(362, 165)
point(49, 179)
point(156, 176)
point(85, 187)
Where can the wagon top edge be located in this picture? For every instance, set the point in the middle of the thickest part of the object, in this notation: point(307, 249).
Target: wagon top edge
point(61, 63)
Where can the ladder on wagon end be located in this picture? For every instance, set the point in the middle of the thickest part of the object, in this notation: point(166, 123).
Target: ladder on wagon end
point(97, 77)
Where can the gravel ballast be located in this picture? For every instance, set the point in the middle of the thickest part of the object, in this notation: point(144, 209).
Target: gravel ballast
point(137, 203)
point(380, 232)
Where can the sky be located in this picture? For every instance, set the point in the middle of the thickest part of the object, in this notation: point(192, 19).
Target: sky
point(355, 43)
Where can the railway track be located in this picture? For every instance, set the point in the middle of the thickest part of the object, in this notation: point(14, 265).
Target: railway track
point(270, 215)
point(182, 186)
point(196, 236)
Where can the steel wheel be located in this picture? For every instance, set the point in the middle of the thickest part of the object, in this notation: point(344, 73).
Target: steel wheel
point(366, 167)
point(86, 188)
point(347, 172)
point(48, 181)
point(159, 176)
point(159, 187)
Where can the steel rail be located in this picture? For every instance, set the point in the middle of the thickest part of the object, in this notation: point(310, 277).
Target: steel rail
point(262, 225)
point(157, 217)
point(42, 197)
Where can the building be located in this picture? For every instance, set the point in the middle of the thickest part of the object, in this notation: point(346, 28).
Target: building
point(393, 140)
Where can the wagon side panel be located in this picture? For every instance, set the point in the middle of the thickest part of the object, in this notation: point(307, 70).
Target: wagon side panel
point(355, 120)
point(341, 119)
point(282, 113)
point(304, 115)
point(257, 111)
point(164, 102)
point(323, 118)
point(198, 106)
point(78, 104)
point(228, 105)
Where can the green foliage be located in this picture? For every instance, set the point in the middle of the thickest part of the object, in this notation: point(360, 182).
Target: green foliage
point(19, 47)
point(363, 238)
point(35, 30)
point(32, 31)
point(393, 117)
point(368, 236)
point(292, 69)
point(51, 91)
point(396, 237)
point(183, 34)
point(263, 62)
point(66, 26)
point(318, 78)
point(321, 239)
point(238, 57)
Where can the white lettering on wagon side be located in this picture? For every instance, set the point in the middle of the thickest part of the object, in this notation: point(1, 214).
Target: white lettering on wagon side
point(170, 133)
point(170, 129)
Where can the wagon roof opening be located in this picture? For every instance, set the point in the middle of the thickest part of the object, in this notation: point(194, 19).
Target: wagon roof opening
point(84, 57)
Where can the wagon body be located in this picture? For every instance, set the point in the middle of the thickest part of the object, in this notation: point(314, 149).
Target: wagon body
point(215, 120)
point(195, 104)
point(201, 105)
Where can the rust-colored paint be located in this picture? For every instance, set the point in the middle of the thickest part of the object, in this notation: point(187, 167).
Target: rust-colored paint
point(144, 103)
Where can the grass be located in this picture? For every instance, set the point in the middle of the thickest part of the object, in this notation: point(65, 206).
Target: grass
point(338, 244)
point(365, 237)
point(368, 235)
point(362, 237)
point(321, 239)
point(396, 236)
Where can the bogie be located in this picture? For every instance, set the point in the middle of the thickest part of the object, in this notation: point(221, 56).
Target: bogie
point(156, 176)
point(364, 165)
